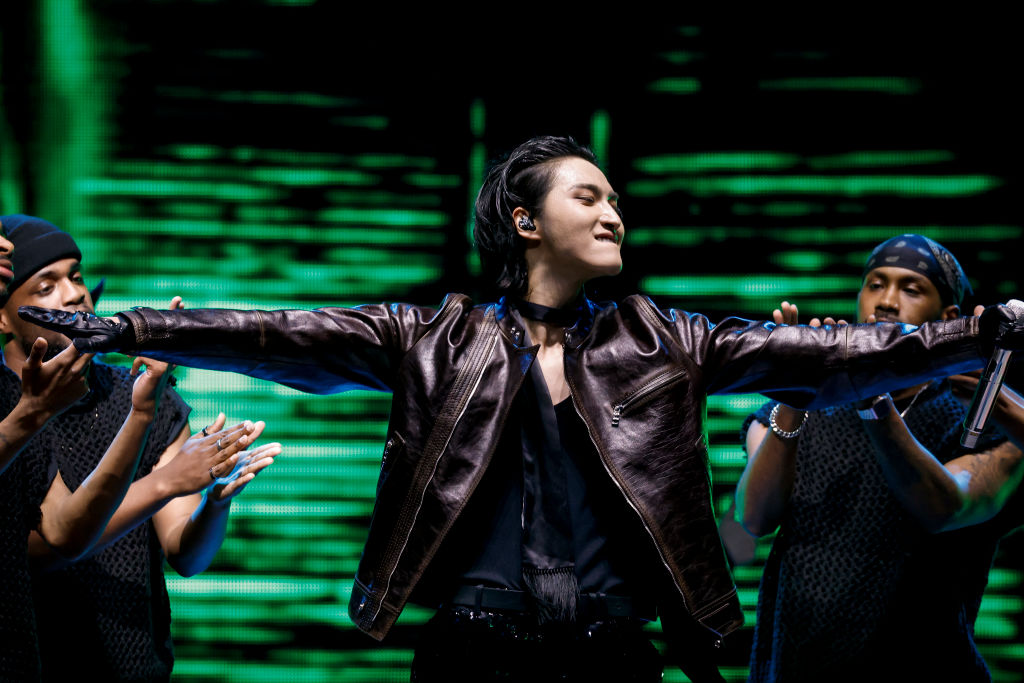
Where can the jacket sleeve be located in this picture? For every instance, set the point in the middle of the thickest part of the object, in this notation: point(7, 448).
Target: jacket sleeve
point(815, 367)
point(321, 351)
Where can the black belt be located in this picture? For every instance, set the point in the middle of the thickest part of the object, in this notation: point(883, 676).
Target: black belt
point(590, 606)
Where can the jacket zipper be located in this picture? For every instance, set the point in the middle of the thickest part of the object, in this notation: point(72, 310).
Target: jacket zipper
point(637, 397)
point(604, 461)
point(475, 365)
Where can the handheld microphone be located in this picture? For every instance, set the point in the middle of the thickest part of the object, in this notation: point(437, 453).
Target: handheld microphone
point(988, 387)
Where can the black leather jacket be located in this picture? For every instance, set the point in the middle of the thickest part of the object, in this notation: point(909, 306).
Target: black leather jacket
point(638, 375)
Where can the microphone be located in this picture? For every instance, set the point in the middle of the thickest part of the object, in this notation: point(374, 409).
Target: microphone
point(988, 387)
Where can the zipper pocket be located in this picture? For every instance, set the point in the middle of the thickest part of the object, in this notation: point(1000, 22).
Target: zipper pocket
point(644, 393)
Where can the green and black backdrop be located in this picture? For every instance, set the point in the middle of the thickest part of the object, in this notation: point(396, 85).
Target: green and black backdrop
point(295, 153)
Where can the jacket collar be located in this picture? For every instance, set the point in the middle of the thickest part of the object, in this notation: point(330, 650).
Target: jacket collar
point(512, 325)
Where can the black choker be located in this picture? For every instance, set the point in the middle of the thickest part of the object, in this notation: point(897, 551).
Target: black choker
point(559, 317)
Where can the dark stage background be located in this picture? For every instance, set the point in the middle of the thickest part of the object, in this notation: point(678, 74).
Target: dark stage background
point(298, 153)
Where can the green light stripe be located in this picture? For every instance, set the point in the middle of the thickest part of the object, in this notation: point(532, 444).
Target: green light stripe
point(384, 161)
point(370, 122)
point(1005, 578)
point(600, 136)
point(779, 209)
point(379, 654)
point(736, 405)
point(848, 186)
point(367, 197)
point(747, 285)
point(384, 255)
point(324, 488)
point(413, 271)
point(876, 233)
point(398, 217)
point(477, 118)
point(680, 57)
point(342, 536)
point(882, 158)
point(283, 587)
point(393, 235)
point(890, 85)
point(309, 177)
point(685, 237)
point(866, 234)
point(325, 509)
point(283, 175)
point(354, 282)
point(223, 191)
point(995, 627)
point(73, 119)
point(997, 604)
point(477, 168)
point(338, 263)
point(432, 180)
point(254, 633)
point(675, 86)
point(802, 260)
point(194, 152)
point(268, 672)
point(727, 456)
point(719, 427)
point(714, 161)
point(292, 99)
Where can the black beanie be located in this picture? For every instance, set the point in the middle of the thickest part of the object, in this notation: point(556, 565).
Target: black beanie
point(37, 243)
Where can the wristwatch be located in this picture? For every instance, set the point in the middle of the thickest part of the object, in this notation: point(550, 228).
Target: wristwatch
point(876, 408)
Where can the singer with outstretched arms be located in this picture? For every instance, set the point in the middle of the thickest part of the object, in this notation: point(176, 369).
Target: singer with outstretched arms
point(547, 435)
point(887, 524)
point(373, 346)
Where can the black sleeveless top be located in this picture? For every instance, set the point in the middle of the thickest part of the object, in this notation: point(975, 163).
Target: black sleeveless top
point(111, 609)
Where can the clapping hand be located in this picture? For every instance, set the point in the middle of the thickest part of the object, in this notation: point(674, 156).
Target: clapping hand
point(247, 466)
point(210, 454)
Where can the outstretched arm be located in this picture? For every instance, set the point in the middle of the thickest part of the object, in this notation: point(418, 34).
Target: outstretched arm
point(322, 351)
point(812, 368)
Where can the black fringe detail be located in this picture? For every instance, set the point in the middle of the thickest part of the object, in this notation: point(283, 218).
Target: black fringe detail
point(555, 594)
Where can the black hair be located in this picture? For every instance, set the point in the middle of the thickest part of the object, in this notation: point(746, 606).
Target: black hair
point(521, 179)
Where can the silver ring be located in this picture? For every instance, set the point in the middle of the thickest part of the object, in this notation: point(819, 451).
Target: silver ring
point(220, 446)
point(205, 433)
point(213, 476)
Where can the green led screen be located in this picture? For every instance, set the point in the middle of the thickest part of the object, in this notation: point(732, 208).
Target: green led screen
point(304, 161)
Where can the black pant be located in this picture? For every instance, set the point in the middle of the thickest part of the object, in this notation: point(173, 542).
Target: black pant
point(460, 644)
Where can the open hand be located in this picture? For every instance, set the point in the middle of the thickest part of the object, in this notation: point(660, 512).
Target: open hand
point(53, 386)
point(210, 454)
point(149, 385)
point(249, 464)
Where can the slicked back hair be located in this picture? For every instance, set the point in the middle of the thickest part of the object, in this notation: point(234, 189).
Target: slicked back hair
point(521, 179)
